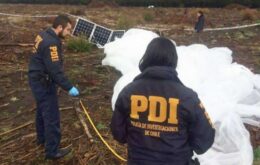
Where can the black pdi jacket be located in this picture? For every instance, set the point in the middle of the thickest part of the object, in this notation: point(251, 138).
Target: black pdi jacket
point(162, 121)
point(47, 60)
point(200, 24)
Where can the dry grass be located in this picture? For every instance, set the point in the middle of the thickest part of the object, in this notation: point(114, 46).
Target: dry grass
point(249, 15)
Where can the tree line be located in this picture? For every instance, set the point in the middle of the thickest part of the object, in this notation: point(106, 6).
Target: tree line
point(83, 2)
point(162, 3)
point(189, 3)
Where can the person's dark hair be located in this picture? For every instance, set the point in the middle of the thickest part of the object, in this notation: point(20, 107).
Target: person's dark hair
point(200, 12)
point(160, 52)
point(62, 20)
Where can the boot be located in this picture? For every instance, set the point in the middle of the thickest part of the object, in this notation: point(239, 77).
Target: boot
point(61, 153)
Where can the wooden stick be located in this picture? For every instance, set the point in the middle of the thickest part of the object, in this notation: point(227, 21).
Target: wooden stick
point(33, 151)
point(17, 44)
point(1, 63)
point(76, 138)
point(12, 130)
point(10, 142)
point(4, 105)
point(81, 161)
point(83, 122)
point(30, 135)
point(25, 156)
point(68, 146)
point(11, 92)
point(85, 128)
point(65, 108)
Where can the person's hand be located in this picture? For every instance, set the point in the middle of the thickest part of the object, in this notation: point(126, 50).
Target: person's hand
point(73, 91)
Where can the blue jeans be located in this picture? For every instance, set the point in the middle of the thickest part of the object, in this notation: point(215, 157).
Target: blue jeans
point(47, 115)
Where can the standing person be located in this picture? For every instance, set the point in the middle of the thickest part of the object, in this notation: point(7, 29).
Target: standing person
point(162, 120)
point(200, 22)
point(45, 73)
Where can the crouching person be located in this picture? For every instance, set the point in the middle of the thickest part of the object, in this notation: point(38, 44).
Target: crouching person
point(160, 119)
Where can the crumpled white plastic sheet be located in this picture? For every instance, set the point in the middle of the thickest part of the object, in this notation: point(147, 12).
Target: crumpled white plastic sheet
point(229, 91)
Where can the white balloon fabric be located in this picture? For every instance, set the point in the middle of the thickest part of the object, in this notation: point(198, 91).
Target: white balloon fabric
point(230, 92)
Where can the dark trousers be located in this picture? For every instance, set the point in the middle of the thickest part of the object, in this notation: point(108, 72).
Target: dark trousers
point(198, 37)
point(47, 115)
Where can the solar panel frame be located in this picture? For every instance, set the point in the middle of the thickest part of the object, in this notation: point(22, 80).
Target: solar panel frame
point(92, 33)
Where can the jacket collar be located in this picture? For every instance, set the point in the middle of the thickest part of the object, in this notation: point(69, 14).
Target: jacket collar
point(159, 72)
point(51, 32)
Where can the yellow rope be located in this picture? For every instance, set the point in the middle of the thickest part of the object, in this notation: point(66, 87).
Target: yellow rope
point(100, 136)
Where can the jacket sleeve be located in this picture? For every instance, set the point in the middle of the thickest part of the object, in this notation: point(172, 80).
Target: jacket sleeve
point(201, 131)
point(119, 120)
point(53, 65)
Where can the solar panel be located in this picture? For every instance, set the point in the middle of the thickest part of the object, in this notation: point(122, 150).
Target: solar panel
point(95, 33)
point(101, 35)
point(117, 34)
point(83, 27)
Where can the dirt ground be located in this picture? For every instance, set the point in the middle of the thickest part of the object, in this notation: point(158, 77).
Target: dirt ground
point(95, 81)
